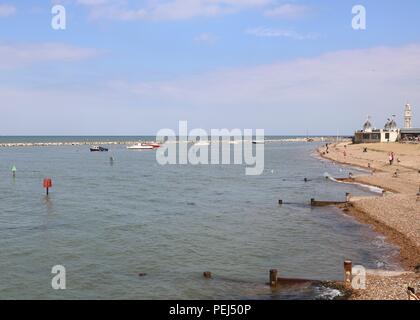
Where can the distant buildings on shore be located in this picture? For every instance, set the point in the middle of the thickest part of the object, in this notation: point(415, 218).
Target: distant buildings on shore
point(390, 132)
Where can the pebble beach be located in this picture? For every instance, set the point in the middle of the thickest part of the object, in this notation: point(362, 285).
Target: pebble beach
point(396, 213)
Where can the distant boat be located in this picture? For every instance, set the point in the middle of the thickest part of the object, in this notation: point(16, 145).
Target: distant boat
point(154, 145)
point(258, 142)
point(202, 143)
point(98, 149)
point(144, 146)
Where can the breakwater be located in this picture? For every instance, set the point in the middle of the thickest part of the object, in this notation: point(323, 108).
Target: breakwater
point(10, 144)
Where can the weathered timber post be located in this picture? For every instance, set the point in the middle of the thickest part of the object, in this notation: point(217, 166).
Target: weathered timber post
point(348, 196)
point(348, 266)
point(273, 278)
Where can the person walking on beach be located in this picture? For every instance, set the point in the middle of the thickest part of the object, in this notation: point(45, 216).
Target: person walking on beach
point(391, 158)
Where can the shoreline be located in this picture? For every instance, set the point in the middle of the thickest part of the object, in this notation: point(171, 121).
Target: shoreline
point(380, 287)
point(408, 255)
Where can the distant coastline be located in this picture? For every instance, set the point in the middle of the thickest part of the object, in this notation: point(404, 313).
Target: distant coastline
point(56, 141)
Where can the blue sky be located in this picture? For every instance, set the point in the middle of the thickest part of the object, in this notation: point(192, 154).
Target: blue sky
point(134, 67)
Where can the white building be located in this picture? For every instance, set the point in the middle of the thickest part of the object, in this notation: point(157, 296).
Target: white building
point(390, 132)
point(369, 134)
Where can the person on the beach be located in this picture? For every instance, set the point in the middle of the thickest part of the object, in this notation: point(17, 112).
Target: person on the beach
point(391, 159)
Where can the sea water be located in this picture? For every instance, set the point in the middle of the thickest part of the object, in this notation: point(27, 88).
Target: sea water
point(108, 221)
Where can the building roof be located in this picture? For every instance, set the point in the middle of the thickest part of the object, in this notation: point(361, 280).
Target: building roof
point(411, 130)
point(367, 125)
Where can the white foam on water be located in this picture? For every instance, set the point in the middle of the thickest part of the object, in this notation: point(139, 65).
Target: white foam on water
point(329, 293)
point(366, 186)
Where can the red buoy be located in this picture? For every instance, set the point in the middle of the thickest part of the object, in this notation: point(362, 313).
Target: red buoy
point(47, 184)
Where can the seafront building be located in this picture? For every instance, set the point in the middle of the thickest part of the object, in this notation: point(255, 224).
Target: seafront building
point(390, 131)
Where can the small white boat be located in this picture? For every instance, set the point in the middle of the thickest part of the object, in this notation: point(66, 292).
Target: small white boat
point(202, 143)
point(141, 146)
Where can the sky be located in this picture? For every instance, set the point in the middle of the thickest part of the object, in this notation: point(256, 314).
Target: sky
point(125, 67)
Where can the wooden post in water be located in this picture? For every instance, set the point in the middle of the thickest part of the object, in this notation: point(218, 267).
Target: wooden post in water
point(348, 195)
point(273, 278)
point(348, 266)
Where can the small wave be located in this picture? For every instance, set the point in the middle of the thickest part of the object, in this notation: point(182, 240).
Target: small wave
point(326, 293)
point(379, 241)
point(366, 186)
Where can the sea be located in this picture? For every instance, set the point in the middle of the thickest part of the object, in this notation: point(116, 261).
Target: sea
point(130, 228)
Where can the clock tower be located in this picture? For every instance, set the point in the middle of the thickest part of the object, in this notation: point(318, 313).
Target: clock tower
point(407, 117)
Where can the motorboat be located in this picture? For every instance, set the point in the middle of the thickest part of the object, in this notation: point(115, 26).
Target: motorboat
point(98, 149)
point(144, 146)
point(202, 143)
point(154, 145)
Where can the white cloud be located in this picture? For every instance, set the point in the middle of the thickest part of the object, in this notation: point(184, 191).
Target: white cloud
point(168, 10)
point(16, 55)
point(333, 90)
point(7, 10)
point(288, 11)
point(280, 33)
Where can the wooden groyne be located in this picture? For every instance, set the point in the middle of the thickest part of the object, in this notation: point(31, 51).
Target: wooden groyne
point(318, 203)
point(323, 203)
point(277, 283)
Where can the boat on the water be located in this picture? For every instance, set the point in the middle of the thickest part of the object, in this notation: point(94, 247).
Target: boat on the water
point(202, 143)
point(98, 149)
point(144, 146)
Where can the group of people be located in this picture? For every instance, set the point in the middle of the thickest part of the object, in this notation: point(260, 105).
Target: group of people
point(410, 139)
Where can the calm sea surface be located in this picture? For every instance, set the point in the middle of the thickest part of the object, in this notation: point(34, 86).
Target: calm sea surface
point(106, 222)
